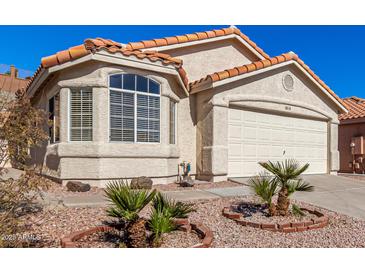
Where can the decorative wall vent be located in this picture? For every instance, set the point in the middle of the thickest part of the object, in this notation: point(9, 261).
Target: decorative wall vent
point(288, 82)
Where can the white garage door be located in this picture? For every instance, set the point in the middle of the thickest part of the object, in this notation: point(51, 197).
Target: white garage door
point(255, 137)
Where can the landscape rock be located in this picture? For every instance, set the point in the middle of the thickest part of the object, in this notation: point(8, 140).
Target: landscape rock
point(141, 183)
point(76, 186)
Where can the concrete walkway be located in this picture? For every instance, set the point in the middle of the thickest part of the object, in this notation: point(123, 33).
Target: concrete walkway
point(181, 195)
point(340, 194)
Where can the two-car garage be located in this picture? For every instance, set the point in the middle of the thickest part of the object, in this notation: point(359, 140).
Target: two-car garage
point(257, 136)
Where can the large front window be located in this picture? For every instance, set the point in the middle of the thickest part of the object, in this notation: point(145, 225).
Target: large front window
point(134, 109)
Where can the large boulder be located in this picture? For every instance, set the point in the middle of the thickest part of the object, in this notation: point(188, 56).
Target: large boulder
point(141, 183)
point(76, 186)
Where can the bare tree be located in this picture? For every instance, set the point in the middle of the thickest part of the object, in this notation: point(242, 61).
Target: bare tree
point(21, 128)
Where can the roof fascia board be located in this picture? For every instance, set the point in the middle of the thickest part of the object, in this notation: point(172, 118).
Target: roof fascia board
point(130, 61)
point(114, 58)
point(359, 120)
point(36, 84)
point(243, 76)
point(119, 59)
point(208, 40)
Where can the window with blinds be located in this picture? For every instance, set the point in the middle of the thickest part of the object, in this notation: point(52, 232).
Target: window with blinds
point(172, 122)
point(54, 117)
point(134, 109)
point(81, 115)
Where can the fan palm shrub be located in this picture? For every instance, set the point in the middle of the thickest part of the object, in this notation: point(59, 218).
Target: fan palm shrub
point(127, 204)
point(266, 187)
point(164, 211)
point(287, 175)
point(170, 207)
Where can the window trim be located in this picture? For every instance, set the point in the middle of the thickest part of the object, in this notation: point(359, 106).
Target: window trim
point(51, 142)
point(69, 114)
point(135, 92)
point(171, 101)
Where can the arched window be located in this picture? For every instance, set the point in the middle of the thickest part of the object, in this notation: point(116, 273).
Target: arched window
point(134, 109)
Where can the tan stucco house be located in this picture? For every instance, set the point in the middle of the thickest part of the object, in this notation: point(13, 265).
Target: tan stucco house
point(214, 99)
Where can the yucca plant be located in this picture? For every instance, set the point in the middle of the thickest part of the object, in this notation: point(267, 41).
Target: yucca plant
point(127, 203)
point(266, 187)
point(287, 174)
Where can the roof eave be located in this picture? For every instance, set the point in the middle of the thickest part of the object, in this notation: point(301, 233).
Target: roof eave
point(202, 86)
point(104, 56)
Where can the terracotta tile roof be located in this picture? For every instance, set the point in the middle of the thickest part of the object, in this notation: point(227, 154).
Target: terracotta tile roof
point(94, 45)
point(179, 39)
point(229, 73)
point(11, 83)
point(355, 106)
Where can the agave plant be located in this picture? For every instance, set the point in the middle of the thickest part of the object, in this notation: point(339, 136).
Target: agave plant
point(127, 203)
point(287, 174)
point(266, 187)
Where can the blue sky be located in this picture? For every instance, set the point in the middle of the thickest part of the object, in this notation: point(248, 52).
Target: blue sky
point(335, 53)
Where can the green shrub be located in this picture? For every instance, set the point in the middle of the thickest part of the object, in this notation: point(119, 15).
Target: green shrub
point(127, 202)
point(171, 208)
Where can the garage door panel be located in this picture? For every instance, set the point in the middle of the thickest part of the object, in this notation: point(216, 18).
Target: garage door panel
point(254, 137)
point(249, 132)
point(235, 132)
point(249, 150)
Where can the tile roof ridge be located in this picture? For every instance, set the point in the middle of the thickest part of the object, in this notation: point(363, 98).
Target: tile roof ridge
point(204, 35)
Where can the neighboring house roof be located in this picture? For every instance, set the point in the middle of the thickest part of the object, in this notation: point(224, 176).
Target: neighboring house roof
point(356, 108)
point(10, 82)
point(232, 72)
point(179, 39)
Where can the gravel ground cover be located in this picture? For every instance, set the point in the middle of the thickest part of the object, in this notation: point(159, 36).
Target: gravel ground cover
point(60, 191)
point(51, 225)
point(258, 213)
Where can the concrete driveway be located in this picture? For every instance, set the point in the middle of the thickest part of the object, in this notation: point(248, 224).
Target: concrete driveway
point(337, 193)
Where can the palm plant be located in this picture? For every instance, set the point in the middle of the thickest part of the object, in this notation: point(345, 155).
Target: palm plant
point(164, 210)
point(287, 174)
point(127, 203)
point(266, 187)
point(171, 208)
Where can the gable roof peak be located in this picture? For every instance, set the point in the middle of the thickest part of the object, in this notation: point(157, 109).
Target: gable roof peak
point(197, 36)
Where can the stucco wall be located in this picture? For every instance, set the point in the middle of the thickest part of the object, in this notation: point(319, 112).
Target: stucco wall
point(203, 59)
point(263, 92)
point(346, 132)
point(100, 160)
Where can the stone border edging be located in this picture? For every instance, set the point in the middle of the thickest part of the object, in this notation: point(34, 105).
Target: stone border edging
point(319, 221)
point(183, 224)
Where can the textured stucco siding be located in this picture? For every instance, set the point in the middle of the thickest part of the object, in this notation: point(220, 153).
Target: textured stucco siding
point(263, 92)
point(202, 59)
point(98, 161)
